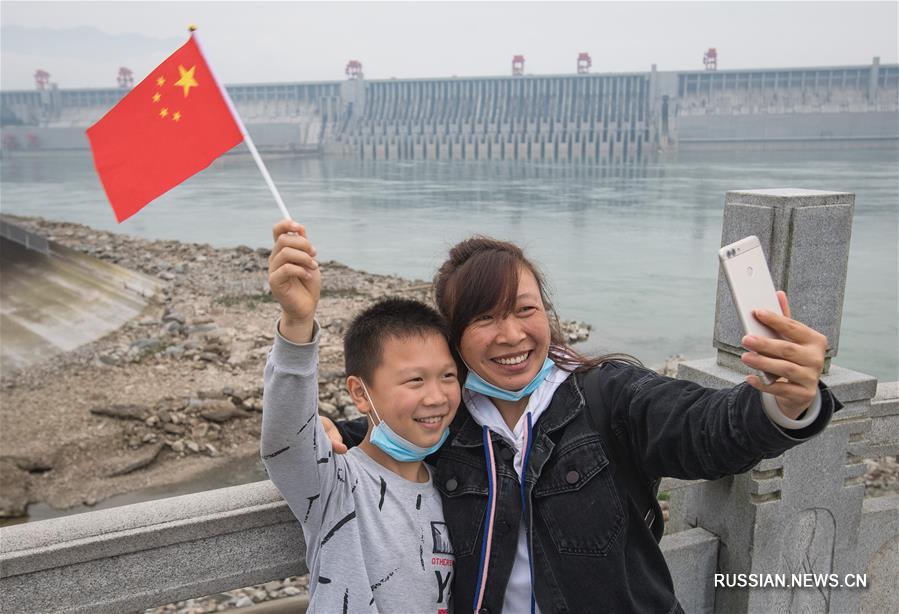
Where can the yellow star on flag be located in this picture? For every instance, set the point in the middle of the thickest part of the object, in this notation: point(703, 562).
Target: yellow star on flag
point(160, 81)
point(156, 97)
point(187, 80)
point(176, 116)
point(163, 112)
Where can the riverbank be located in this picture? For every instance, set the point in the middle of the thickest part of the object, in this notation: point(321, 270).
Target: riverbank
point(177, 391)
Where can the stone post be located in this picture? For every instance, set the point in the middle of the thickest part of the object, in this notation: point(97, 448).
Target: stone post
point(805, 237)
point(800, 512)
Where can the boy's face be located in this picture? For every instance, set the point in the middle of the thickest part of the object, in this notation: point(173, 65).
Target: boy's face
point(415, 389)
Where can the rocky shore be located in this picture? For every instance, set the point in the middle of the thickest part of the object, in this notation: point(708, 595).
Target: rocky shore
point(175, 392)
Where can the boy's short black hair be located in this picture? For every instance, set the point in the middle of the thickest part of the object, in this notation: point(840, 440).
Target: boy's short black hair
point(392, 318)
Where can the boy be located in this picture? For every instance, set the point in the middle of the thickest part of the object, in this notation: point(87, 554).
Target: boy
point(372, 519)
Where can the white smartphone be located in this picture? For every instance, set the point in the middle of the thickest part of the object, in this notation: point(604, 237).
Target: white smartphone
point(751, 287)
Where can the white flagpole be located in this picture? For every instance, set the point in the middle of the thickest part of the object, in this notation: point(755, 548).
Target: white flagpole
point(243, 131)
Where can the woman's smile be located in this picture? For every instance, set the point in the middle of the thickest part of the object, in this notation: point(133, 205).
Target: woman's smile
point(512, 360)
point(510, 366)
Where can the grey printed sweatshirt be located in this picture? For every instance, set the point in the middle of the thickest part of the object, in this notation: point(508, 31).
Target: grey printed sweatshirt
point(375, 542)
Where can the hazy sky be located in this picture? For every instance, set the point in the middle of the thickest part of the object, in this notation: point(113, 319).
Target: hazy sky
point(83, 44)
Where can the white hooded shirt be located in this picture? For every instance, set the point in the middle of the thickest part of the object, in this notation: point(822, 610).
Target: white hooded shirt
point(518, 592)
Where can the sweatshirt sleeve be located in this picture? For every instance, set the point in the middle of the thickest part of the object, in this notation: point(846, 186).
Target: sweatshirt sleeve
point(680, 429)
point(295, 450)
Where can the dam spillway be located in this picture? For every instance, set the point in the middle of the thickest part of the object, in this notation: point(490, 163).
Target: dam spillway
point(589, 117)
point(583, 117)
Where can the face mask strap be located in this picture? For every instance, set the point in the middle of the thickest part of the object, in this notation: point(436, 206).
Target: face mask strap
point(470, 370)
point(370, 402)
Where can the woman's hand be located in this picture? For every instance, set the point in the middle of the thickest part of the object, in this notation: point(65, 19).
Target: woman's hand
point(295, 280)
point(334, 435)
point(797, 359)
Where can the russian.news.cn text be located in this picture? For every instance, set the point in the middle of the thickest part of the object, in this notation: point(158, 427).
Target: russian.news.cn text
point(790, 580)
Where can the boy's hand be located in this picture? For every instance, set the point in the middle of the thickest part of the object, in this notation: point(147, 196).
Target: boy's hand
point(295, 280)
point(796, 359)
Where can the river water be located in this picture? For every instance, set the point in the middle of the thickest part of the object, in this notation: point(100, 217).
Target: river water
point(630, 249)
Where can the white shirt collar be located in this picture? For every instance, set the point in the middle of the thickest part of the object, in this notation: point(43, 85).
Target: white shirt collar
point(486, 414)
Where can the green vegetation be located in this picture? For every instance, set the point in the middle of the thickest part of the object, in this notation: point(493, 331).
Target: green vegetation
point(339, 292)
point(250, 301)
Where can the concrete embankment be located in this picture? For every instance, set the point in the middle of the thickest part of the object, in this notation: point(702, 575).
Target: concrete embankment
point(55, 299)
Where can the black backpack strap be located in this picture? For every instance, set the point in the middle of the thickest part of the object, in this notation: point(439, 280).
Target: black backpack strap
point(642, 490)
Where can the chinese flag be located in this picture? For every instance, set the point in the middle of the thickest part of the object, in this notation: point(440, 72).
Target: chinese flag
point(172, 125)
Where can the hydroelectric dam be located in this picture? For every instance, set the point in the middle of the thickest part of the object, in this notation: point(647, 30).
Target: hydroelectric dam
point(611, 117)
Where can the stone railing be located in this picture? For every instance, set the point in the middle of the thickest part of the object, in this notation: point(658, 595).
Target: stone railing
point(801, 513)
point(147, 554)
point(138, 556)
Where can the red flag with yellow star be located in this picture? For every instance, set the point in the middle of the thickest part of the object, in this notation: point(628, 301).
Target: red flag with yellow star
point(172, 125)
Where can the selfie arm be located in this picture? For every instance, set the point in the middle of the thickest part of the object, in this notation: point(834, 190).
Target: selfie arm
point(677, 428)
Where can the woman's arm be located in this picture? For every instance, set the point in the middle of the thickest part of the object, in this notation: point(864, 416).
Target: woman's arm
point(678, 428)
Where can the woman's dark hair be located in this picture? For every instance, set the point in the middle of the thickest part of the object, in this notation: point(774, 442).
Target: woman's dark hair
point(390, 318)
point(481, 276)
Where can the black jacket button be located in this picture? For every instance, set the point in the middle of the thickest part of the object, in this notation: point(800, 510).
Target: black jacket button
point(452, 484)
point(507, 454)
point(572, 477)
point(483, 611)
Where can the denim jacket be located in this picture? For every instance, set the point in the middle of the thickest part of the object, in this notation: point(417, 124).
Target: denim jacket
point(590, 547)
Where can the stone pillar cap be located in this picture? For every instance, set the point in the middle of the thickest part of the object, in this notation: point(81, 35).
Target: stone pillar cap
point(786, 192)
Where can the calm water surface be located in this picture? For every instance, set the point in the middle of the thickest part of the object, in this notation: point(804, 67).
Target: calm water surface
point(630, 250)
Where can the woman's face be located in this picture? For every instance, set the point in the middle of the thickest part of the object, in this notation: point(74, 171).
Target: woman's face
point(508, 351)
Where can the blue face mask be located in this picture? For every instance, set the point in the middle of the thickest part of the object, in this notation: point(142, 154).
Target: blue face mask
point(396, 447)
point(476, 383)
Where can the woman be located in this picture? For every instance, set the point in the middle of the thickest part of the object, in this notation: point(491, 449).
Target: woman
point(590, 436)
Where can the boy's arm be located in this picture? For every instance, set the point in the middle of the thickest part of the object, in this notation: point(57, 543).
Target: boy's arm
point(296, 453)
